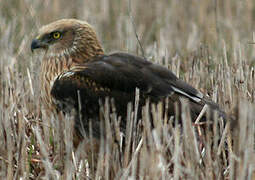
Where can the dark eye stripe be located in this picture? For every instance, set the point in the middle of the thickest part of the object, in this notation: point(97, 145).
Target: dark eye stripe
point(48, 38)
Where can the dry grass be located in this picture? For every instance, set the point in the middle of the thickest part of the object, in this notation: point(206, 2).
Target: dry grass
point(206, 43)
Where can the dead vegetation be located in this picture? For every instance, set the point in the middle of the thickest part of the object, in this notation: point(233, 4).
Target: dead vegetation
point(206, 43)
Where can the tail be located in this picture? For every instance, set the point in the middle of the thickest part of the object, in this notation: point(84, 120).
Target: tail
point(196, 108)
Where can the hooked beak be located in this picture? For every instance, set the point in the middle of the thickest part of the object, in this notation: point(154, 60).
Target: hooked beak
point(37, 43)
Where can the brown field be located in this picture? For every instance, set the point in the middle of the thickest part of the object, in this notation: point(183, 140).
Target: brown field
point(206, 43)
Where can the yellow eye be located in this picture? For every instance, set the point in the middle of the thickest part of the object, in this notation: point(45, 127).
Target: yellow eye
point(56, 35)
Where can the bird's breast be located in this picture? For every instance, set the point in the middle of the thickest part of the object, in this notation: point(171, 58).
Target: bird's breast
point(51, 68)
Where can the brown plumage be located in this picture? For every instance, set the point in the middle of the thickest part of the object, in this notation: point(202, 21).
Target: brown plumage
point(74, 62)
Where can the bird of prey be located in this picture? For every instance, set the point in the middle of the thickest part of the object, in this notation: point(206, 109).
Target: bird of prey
point(77, 74)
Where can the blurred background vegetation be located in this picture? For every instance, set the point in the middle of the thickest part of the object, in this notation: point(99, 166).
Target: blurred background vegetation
point(206, 43)
point(177, 26)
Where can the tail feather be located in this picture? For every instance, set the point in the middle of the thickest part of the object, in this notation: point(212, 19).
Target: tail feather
point(196, 107)
point(213, 107)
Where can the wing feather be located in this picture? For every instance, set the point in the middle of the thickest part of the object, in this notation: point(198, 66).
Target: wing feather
point(123, 73)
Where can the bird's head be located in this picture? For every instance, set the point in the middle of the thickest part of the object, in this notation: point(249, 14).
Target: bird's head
point(67, 37)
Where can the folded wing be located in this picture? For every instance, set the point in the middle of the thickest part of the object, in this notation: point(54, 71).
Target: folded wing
point(117, 76)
